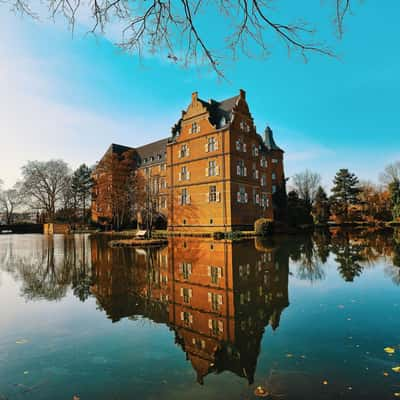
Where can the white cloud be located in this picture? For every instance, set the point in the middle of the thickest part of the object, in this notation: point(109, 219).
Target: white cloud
point(35, 126)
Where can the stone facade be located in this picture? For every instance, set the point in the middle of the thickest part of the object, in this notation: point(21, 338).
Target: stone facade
point(215, 173)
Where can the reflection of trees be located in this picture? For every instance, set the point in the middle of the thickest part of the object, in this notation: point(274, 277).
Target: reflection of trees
point(348, 256)
point(393, 271)
point(47, 265)
point(309, 257)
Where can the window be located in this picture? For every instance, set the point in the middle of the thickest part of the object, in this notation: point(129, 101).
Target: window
point(162, 167)
point(242, 195)
point(273, 188)
point(186, 317)
point(186, 270)
point(240, 146)
point(159, 157)
point(256, 197)
point(264, 200)
point(211, 144)
point(163, 202)
point(274, 161)
point(186, 293)
point(254, 150)
point(263, 180)
point(184, 198)
point(241, 169)
point(212, 169)
point(212, 194)
point(195, 128)
point(184, 151)
point(255, 171)
point(214, 273)
point(216, 327)
point(163, 184)
point(215, 300)
point(244, 126)
point(273, 176)
point(184, 175)
point(263, 162)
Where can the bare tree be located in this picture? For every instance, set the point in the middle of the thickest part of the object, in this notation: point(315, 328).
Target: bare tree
point(10, 200)
point(391, 174)
point(306, 184)
point(44, 185)
point(177, 29)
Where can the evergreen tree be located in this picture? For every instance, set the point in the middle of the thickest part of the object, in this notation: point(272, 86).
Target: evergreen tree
point(394, 189)
point(345, 192)
point(321, 208)
point(81, 187)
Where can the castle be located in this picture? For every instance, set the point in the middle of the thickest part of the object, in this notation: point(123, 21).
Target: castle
point(214, 172)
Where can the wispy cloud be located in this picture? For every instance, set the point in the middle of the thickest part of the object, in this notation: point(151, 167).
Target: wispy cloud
point(34, 125)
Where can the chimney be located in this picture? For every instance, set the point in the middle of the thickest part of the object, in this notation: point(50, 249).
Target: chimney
point(242, 94)
point(194, 97)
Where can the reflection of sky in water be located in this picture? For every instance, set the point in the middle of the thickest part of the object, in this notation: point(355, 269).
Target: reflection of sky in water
point(332, 330)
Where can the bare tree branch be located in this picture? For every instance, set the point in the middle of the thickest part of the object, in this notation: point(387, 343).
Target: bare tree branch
point(176, 28)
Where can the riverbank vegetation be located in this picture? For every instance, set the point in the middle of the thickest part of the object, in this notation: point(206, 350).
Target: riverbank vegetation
point(351, 201)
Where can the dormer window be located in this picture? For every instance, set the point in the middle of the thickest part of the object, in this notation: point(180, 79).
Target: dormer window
point(151, 158)
point(195, 128)
point(223, 121)
point(159, 156)
point(145, 161)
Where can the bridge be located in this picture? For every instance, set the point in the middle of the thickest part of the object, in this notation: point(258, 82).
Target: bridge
point(21, 228)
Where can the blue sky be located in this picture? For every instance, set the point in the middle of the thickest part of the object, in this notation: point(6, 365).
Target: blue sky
point(71, 97)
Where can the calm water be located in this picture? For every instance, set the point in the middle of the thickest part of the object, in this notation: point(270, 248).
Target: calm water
point(306, 318)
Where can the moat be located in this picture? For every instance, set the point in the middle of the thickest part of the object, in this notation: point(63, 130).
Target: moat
point(304, 317)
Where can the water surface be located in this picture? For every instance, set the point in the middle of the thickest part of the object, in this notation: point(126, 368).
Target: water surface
point(303, 317)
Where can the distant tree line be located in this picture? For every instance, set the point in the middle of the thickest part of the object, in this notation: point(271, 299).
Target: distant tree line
point(351, 200)
point(51, 190)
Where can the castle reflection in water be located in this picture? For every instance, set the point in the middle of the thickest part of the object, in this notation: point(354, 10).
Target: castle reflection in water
point(218, 297)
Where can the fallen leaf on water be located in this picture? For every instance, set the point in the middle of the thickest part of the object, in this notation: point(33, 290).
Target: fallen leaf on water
point(261, 392)
point(385, 374)
point(340, 306)
point(396, 369)
point(324, 382)
point(21, 341)
point(397, 394)
point(26, 372)
point(76, 398)
point(389, 350)
point(289, 355)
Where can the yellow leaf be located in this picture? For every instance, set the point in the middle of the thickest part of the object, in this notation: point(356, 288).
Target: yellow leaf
point(21, 341)
point(324, 382)
point(385, 374)
point(396, 369)
point(389, 350)
point(397, 394)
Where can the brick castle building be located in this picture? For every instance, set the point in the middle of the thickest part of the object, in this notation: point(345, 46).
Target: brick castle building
point(214, 173)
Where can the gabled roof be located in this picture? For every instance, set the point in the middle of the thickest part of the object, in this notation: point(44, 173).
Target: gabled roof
point(220, 112)
point(153, 153)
